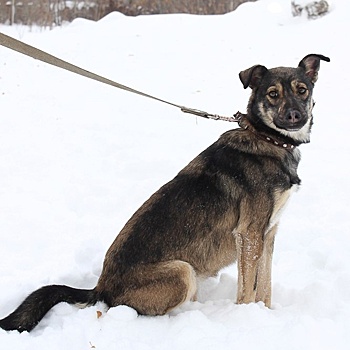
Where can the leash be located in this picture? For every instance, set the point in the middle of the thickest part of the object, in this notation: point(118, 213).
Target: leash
point(43, 56)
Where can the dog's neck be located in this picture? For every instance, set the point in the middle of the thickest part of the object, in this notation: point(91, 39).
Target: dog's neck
point(266, 134)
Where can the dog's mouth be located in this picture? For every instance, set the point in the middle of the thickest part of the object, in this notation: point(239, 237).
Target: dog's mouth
point(290, 128)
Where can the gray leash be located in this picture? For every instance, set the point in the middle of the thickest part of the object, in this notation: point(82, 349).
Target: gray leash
point(43, 56)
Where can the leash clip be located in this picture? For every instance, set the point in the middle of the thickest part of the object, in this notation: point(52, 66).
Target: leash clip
point(236, 117)
point(197, 112)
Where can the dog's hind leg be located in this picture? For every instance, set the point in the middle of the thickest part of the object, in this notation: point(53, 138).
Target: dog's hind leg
point(156, 289)
point(263, 288)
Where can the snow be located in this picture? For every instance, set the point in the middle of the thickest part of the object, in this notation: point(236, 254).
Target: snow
point(77, 158)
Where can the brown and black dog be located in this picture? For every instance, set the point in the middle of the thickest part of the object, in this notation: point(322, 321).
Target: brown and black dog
point(223, 206)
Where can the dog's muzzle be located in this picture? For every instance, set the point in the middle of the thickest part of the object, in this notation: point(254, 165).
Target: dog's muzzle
point(292, 120)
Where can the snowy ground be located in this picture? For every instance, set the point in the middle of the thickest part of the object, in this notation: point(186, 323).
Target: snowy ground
point(77, 158)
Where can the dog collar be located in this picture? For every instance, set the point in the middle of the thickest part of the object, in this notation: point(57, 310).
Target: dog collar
point(246, 125)
point(284, 145)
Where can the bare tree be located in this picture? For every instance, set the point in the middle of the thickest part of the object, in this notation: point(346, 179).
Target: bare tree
point(54, 12)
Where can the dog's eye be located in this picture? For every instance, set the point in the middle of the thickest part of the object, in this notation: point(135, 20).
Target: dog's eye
point(273, 94)
point(301, 90)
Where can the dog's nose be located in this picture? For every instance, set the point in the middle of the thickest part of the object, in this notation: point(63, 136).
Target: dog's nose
point(293, 116)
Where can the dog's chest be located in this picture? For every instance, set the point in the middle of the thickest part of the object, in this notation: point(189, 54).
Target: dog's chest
point(280, 203)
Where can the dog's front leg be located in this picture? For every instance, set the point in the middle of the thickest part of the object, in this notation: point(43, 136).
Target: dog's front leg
point(249, 252)
point(263, 289)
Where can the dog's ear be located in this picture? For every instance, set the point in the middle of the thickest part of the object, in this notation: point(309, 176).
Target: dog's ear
point(311, 65)
point(252, 76)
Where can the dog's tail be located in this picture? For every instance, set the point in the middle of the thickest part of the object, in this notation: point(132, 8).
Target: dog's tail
point(37, 304)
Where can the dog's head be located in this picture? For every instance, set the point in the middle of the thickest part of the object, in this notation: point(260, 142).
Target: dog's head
point(282, 97)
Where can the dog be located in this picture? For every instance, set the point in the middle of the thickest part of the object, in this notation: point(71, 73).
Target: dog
point(224, 206)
